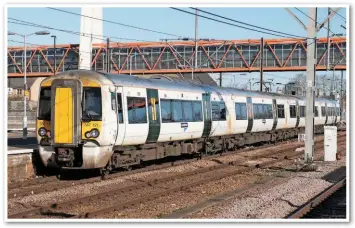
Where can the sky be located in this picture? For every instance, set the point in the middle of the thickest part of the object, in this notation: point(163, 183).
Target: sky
point(171, 21)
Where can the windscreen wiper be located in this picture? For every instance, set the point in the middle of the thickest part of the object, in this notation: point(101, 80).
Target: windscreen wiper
point(88, 114)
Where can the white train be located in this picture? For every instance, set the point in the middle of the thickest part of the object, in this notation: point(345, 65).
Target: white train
point(88, 119)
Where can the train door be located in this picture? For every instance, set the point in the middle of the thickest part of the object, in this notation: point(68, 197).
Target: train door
point(326, 113)
point(297, 113)
point(121, 129)
point(65, 114)
point(250, 114)
point(335, 113)
point(274, 105)
point(153, 115)
point(206, 100)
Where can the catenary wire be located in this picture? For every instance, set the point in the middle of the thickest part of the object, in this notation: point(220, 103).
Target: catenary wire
point(69, 31)
point(114, 22)
point(227, 23)
point(240, 22)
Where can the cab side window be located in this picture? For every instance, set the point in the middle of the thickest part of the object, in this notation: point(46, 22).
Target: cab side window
point(119, 107)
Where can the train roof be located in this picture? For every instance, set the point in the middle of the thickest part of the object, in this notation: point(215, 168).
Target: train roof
point(183, 85)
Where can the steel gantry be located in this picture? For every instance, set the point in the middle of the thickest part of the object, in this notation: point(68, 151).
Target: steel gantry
point(178, 56)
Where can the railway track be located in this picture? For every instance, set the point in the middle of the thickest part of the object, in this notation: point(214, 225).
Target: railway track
point(333, 207)
point(37, 186)
point(330, 203)
point(308, 209)
point(279, 177)
point(52, 183)
point(159, 187)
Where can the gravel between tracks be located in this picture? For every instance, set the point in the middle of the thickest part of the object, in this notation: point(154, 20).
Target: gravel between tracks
point(16, 205)
point(160, 206)
point(181, 199)
point(273, 201)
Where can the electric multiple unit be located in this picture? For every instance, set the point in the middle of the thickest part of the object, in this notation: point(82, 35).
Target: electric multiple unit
point(89, 119)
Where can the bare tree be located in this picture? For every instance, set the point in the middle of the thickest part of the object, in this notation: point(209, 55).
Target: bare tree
point(299, 80)
point(323, 83)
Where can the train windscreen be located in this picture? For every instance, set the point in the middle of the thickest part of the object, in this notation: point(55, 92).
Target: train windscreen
point(44, 111)
point(92, 107)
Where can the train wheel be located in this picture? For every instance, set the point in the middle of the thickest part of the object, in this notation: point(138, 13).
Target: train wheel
point(62, 175)
point(105, 172)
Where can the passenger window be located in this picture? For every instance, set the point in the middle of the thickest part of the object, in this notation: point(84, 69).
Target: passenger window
point(302, 111)
point(260, 111)
point(197, 110)
point(263, 111)
point(292, 111)
point(268, 111)
point(187, 107)
point(136, 110)
point(215, 111)
point(241, 111)
point(119, 107)
point(177, 111)
point(166, 113)
point(323, 111)
point(256, 113)
point(180, 111)
point(280, 111)
point(222, 108)
point(316, 111)
point(218, 111)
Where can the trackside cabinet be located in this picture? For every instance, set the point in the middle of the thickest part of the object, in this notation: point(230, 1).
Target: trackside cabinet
point(330, 143)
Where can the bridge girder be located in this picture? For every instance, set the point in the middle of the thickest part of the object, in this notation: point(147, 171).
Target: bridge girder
point(176, 57)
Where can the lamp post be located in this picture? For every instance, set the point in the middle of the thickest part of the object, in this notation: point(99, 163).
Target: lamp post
point(39, 33)
point(55, 50)
point(130, 58)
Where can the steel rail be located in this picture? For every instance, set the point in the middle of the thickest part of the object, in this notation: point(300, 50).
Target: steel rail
point(15, 192)
point(42, 210)
point(307, 207)
point(92, 214)
point(58, 184)
point(45, 210)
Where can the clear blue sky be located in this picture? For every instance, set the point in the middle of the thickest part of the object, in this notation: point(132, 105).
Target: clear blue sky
point(171, 21)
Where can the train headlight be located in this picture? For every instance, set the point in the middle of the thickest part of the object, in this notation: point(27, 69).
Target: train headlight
point(94, 133)
point(42, 131)
point(88, 134)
